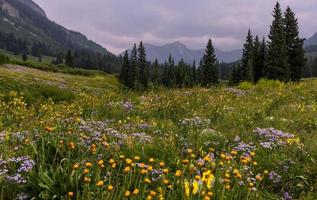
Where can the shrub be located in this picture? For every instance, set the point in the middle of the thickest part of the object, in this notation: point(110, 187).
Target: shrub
point(245, 86)
point(4, 59)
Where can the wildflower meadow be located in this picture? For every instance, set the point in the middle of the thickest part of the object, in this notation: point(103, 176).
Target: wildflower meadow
point(68, 136)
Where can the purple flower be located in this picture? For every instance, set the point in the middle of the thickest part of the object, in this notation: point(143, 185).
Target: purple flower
point(287, 196)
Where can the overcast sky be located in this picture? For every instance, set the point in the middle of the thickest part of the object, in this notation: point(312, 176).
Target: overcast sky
point(117, 24)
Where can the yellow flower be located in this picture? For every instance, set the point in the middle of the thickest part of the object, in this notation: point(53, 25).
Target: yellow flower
point(100, 163)
point(126, 169)
point(234, 153)
point(147, 181)
point(210, 194)
point(88, 164)
point(187, 189)
point(87, 179)
point(227, 175)
point(71, 145)
point(178, 173)
point(165, 181)
point(76, 166)
point(165, 171)
point(151, 160)
point(152, 193)
point(189, 151)
point(110, 188)
point(127, 194)
point(70, 194)
point(143, 171)
point(162, 164)
point(121, 157)
point(195, 187)
point(111, 161)
point(86, 171)
point(150, 168)
point(128, 161)
point(185, 162)
point(136, 191)
point(197, 177)
point(252, 153)
point(137, 158)
point(99, 183)
point(227, 187)
point(222, 155)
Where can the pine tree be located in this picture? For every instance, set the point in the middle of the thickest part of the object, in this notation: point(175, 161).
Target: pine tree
point(246, 68)
point(155, 72)
point(258, 58)
point(124, 74)
point(143, 67)
point(209, 68)
point(277, 58)
point(193, 74)
point(69, 60)
point(24, 57)
point(133, 73)
point(296, 53)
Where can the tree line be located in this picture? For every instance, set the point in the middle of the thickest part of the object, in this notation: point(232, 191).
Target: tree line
point(280, 58)
point(138, 74)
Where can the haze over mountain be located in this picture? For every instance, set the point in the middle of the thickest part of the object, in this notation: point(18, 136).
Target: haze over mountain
point(311, 41)
point(28, 21)
point(180, 51)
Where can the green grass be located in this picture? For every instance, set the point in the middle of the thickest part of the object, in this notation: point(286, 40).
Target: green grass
point(64, 121)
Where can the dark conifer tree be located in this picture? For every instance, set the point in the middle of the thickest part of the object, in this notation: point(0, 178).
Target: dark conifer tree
point(143, 67)
point(246, 68)
point(155, 72)
point(24, 56)
point(296, 53)
point(277, 58)
point(69, 59)
point(258, 59)
point(133, 73)
point(209, 68)
point(124, 74)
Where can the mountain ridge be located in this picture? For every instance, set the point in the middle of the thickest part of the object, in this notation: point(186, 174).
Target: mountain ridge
point(27, 20)
point(180, 51)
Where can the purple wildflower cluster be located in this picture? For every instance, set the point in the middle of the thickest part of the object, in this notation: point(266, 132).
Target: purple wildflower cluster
point(243, 147)
point(273, 176)
point(25, 165)
point(196, 121)
point(272, 137)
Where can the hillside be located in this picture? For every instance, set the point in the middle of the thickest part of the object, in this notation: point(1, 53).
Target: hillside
point(26, 20)
point(180, 51)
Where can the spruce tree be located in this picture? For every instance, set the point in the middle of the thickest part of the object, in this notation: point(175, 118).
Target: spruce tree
point(69, 59)
point(258, 58)
point(209, 68)
point(124, 74)
point(296, 53)
point(246, 68)
point(277, 58)
point(143, 67)
point(24, 57)
point(155, 72)
point(133, 73)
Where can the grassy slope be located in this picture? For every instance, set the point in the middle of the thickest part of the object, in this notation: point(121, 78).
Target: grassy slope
point(287, 107)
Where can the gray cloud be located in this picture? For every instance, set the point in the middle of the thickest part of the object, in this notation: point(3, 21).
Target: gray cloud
point(116, 24)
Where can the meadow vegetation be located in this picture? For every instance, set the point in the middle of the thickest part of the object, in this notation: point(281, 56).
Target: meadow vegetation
point(66, 136)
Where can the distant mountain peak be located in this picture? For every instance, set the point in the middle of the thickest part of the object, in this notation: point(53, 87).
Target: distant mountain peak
point(180, 51)
point(312, 41)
